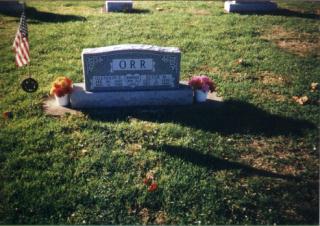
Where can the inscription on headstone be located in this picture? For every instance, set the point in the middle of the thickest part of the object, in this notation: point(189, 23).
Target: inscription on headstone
point(131, 67)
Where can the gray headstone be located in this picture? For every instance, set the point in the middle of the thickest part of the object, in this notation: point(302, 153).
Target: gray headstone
point(131, 67)
point(250, 6)
point(118, 5)
point(10, 6)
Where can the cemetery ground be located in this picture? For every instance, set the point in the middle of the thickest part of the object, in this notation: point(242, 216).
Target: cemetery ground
point(252, 160)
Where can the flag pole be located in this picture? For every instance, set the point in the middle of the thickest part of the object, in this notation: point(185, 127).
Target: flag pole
point(28, 65)
point(24, 11)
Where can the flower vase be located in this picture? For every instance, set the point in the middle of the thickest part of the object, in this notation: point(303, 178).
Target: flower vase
point(62, 101)
point(200, 96)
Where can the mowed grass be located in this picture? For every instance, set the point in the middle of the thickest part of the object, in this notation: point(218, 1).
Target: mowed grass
point(253, 160)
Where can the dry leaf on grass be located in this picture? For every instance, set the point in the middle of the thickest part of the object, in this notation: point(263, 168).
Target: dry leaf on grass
point(314, 86)
point(161, 217)
point(144, 214)
point(84, 152)
point(301, 100)
point(240, 61)
point(134, 148)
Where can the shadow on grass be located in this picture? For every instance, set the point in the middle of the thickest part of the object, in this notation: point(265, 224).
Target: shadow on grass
point(33, 14)
point(215, 164)
point(140, 11)
point(229, 117)
point(134, 11)
point(131, 11)
point(285, 12)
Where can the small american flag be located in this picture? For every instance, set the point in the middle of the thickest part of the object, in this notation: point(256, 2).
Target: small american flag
point(21, 44)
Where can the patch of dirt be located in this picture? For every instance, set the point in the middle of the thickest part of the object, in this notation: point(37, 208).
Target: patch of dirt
point(268, 78)
point(276, 158)
point(302, 44)
point(268, 95)
point(199, 12)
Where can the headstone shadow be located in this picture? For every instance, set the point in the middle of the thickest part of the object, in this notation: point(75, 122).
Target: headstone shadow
point(139, 11)
point(285, 12)
point(33, 14)
point(132, 11)
point(227, 118)
point(217, 164)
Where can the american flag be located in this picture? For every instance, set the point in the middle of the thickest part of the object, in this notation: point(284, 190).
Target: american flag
point(21, 44)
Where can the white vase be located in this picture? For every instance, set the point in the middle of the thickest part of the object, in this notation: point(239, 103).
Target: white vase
point(62, 101)
point(200, 95)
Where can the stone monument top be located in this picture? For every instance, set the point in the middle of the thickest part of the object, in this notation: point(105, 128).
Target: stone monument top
point(127, 47)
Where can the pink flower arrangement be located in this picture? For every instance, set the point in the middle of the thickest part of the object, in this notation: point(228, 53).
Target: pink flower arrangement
point(203, 83)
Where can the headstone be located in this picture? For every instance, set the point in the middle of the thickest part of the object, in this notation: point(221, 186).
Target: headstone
point(10, 6)
point(250, 6)
point(131, 75)
point(118, 5)
point(131, 67)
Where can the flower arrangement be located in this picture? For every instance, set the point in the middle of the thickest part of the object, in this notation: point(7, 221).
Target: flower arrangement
point(61, 86)
point(202, 82)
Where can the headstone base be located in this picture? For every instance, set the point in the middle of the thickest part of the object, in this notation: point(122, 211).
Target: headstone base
point(80, 98)
point(118, 6)
point(238, 7)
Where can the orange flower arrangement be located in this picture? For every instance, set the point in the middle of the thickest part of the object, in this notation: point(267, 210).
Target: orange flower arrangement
point(61, 86)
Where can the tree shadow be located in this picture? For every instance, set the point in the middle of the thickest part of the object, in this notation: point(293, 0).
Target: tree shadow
point(229, 117)
point(33, 14)
point(216, 164)
point(285, 12)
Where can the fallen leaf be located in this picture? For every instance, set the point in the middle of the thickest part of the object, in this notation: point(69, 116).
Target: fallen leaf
point(314, 86)
point(240, 61)
point(161, 218)
point(84, 152)
point(144, 214)
point(295, 98)
point(7, 114)
point(301, 100)
point(133, 148)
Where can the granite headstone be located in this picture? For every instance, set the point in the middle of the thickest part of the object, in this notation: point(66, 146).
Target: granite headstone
point(252, 6)
point(131, 75)
point(131, 67)
point(118, 5)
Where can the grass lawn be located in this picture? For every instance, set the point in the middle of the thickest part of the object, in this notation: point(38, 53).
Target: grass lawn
point(254, 160)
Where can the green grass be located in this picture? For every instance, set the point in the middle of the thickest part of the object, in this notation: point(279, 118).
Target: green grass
point(254, 160)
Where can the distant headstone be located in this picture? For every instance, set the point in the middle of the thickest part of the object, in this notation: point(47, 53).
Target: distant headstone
point(250, 6)
point(131, 75)
point(118, 5)
point(10, 6)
